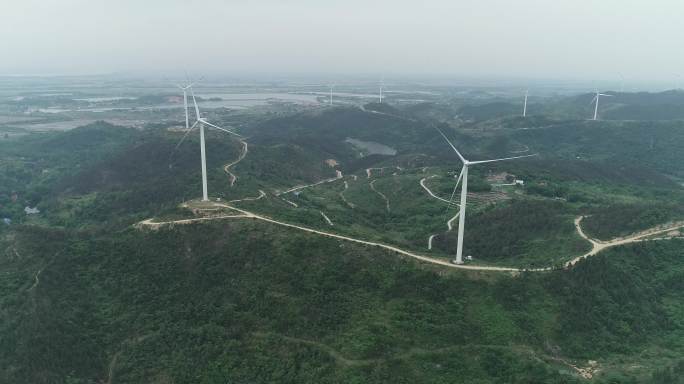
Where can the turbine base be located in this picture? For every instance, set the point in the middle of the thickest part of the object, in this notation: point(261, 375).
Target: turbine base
point(457, 262)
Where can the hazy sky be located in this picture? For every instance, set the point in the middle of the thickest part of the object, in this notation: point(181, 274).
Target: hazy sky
point(590, 39)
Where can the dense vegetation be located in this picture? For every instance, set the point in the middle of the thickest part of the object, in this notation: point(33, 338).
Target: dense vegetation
point(213, 302)
point(530, 233)
point(86, 298)
point(618, 220)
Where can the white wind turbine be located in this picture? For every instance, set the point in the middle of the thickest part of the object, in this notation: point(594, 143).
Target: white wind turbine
point(382, 82)
point(185, 88)
point(464, 192)
point(527, 92)
point(622, 82)
point(201, 122)
point(331, 93)
point(596, 98)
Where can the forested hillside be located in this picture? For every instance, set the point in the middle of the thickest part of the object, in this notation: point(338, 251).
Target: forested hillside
point(89, 298)
point(296, 308)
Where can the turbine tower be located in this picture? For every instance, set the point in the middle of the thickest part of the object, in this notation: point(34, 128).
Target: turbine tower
point(201, 122)
point(622, 82)
point(331, 93)
point(464, 192)
point(185, 88)
point(382, 83)
point(527, 92)
point(596, 98)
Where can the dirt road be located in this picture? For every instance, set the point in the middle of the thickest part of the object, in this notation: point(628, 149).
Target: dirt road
point(387, 202)
point(346, 186)
point(326, 218)
point(598, 245)
point(300, 187)
point(242, 155)
point(425, 187)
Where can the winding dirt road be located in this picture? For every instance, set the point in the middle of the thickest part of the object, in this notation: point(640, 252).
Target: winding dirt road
point(349, 204)
point(262, 194)
point(387, 202)
point(450, 223)
point(425, 187)
point(598, 245)
point(150, 223)
point(250, 215)
point(242, 155)
point(432, 237)
point(300, 187)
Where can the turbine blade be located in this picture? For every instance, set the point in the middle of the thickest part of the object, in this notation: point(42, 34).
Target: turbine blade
point(453, 193)
point(217, 127)
point(452, 146)
point(187, 131)
point(197, 112)
point(502, 159)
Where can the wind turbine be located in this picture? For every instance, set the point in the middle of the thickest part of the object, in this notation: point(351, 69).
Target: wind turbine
point(382, 81)
point(596, 98)
point(185, 88)
point(331, 93)
point(622, 82)
point(527, 92)
point(464, 192)
point(201, 122)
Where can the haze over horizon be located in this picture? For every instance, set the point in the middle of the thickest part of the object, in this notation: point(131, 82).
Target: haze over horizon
point(530, 38)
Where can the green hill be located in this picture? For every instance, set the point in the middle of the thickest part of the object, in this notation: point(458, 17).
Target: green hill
point(87, 298)
point(211, 303)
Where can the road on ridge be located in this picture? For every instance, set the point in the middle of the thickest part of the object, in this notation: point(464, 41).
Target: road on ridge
point(597, 245)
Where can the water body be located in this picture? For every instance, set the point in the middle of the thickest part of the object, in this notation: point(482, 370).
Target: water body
point(371, 147)
point(349, 94)
point(102, 99)
point(71, 124)
point(261, 98)
point(228, 100)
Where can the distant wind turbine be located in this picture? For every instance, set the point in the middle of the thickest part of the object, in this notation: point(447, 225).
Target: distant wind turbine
point(185, 88)
point(527, 92)
point(331, 93)
point(201, 122)
point(382, 82)
point(596, 98)
point(464, 192)
point(622, 82)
